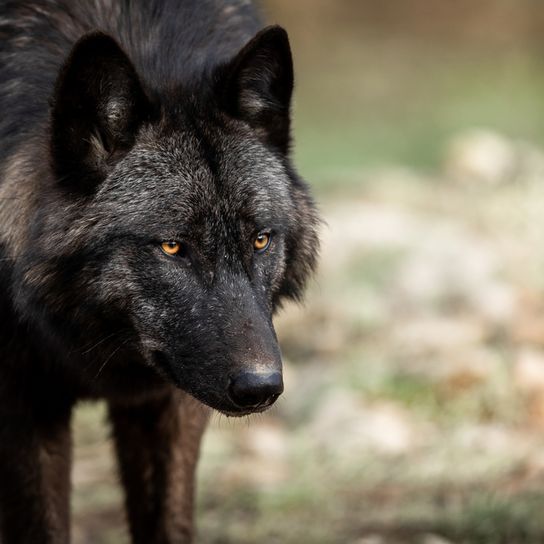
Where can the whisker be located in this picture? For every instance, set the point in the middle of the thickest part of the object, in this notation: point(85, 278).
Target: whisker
point(109, 358)
point(98, 343)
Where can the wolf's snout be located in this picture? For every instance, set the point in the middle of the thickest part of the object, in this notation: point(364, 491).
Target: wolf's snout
point(255, 389)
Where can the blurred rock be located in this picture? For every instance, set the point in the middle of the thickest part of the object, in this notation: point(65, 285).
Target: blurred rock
point(529, 371)
point(452, 266)
point(528, 377)
point(370, 539)
point(469, 368)
point(369, 225)
point(435, 334)
point(256, 472)
point(346, 426)
point(267, 440)
point(481, 156)
point(434, 539)
point(261, 457)
point(494, 301)
point(489, 438)
point(528, 326)
point(529, 330)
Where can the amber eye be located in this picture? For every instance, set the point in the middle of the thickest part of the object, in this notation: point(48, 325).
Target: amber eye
point(171, 247)
point(261, 242)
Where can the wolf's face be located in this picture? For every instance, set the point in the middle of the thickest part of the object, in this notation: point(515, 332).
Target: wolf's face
point(198, 257)
point(188, 222)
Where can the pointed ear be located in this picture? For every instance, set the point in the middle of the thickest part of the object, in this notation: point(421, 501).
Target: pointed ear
point(97, 108)
point(257, 85)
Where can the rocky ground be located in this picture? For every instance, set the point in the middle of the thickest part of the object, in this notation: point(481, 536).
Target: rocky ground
point(414, 403)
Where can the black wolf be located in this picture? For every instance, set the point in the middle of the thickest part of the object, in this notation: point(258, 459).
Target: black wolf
point(151, 221)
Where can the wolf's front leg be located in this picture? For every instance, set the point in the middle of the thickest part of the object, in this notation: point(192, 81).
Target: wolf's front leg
point(157, 444)
point(35, 454)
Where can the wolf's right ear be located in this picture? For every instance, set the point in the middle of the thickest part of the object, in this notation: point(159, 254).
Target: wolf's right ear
point(97, 108)
point(256, 86)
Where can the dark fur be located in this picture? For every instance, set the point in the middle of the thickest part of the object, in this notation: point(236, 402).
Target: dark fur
point(124, 123)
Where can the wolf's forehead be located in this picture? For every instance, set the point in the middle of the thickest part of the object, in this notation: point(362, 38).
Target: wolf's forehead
point(178, 175)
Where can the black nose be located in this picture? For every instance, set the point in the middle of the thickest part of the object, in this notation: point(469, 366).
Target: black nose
point(254, 389)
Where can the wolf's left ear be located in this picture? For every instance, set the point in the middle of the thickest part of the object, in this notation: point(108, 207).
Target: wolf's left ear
point(256, 86)
point(97, 108)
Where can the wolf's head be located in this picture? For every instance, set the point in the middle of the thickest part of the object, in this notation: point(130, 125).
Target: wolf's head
point(182, 224)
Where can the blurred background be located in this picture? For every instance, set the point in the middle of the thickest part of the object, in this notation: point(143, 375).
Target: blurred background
point(414, 403)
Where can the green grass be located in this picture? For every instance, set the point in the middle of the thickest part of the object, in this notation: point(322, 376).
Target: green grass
point(334, 511)
point(496, 519)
